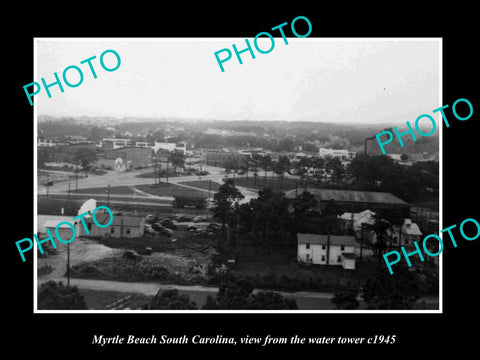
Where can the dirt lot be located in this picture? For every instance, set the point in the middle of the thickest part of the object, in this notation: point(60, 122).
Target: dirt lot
point(81, 250)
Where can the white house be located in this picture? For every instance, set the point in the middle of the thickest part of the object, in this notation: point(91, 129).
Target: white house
point(410, 232)
point(120, 164)
point(326, 250)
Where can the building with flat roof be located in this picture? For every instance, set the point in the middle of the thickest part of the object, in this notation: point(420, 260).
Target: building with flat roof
point(342, 154)
point(356, 201)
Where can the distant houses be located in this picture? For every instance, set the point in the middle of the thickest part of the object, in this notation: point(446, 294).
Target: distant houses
point(341, 154)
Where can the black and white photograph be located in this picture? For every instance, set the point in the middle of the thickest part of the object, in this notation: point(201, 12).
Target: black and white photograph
point(214, 181)
point(258, 188)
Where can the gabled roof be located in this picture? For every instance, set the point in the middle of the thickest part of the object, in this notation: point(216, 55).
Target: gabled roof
point(323, 239)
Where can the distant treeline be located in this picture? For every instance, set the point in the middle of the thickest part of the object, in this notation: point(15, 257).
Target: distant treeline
point(270, 135)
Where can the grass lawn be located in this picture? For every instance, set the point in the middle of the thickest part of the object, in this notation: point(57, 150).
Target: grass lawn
point(169, 189)
point(203, 184)
point(114, 190)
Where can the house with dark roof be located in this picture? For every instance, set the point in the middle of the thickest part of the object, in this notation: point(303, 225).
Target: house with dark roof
point(356, 201)
point(327, 250)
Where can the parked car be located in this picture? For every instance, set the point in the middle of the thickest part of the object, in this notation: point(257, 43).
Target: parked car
point(183, 218)
point(131, 255)
point(213, 226)
point(168, 224)
point(199, 218)
point(167, 232)
point(192, 228)
point(150, 218)
point(158, 226)
point(148, 230)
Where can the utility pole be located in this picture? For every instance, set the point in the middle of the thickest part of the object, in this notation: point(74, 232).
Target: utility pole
point(76, 179)
point(68, 264)
point(167, 169)
point(108, 196)
point(209, 188)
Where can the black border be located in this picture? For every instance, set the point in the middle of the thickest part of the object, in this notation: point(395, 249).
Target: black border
point(416, 333)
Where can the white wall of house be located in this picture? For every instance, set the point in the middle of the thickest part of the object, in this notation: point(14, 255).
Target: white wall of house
point(112, 230)
point(348, 264)
point(317, 254)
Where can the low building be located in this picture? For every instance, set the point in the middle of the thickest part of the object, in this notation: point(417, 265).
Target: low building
point(336, 153)
point(112, 144)
point(64, 231)
point(137, 156)
point(121, 226)
point(327, 250)
point(220, 157)
point(354, 221)
point(170, 147)
point(356, 201)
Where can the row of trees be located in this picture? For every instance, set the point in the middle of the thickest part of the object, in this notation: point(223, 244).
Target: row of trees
point(365, 172)
point(271, 219)
point(238, 295)
point(326, 170)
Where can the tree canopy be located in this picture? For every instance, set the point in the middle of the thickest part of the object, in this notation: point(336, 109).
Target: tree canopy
point(239, 296)
point(170, 300)
point(56, 296)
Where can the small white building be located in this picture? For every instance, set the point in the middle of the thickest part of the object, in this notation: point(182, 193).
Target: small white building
point(121, 226)
point(65, 231)
point(410, 232)
point(327, 250)
point(120, 164)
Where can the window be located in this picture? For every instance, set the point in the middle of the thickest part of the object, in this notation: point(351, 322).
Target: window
point(339, 259)
point(89, 226)
point(323, 257)
point(323, 247)
point(127, 231)
point(342, 247)
point(307, 246)
point(112, 230)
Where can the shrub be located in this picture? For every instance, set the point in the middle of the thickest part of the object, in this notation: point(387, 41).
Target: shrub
point(56, 296)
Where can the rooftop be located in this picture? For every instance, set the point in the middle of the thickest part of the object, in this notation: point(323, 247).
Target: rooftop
point(352, 196)
point(322, 239)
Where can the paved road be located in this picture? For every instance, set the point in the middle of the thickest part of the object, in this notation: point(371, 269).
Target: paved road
point(198, 293)
point(129, 178)
point(305, 300)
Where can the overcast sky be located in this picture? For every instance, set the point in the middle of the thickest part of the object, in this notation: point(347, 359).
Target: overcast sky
point(310, 79)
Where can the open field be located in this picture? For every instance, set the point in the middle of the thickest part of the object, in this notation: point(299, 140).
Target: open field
point(169, 189)
point(203, 184)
